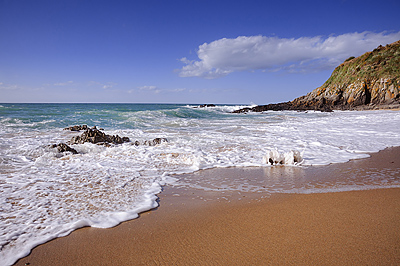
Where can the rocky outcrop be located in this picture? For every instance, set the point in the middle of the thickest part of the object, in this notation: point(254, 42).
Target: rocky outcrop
point(62, 147)
point(371, 81)
point(96, 136)
point(76, 128)
point(80, 127)
point(295, 106)
point(366, 94)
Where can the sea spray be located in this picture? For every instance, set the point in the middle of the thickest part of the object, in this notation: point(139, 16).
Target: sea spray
point(274, 157)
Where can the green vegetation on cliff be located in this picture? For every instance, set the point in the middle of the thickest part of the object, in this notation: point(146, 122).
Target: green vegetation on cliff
point(369, 81)
point(383, 62)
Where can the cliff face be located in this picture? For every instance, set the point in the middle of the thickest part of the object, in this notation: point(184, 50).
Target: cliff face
point(369, 81)
point(367, 94)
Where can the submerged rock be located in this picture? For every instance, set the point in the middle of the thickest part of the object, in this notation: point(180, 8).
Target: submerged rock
point(136, 143)
point(155, 141)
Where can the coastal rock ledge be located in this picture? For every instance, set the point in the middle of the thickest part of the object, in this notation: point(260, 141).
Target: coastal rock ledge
point(370, 81)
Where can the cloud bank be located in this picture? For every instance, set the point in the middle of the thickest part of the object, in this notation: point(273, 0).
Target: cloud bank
point(306, 54)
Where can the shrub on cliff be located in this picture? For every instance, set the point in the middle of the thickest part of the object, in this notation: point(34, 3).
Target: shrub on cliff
point(382, 62)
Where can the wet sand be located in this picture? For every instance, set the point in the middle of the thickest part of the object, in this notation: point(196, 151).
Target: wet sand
point(194, 227)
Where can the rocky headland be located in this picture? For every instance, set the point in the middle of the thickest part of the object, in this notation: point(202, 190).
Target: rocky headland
point(370, 81)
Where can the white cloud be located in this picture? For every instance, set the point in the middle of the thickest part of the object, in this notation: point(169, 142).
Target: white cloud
point(153, 89)
point(147, 88)
point(178, 90)
point(305, 54)
point(8, 86)
point(64, 83)
point(107, 85)
point(156, 90)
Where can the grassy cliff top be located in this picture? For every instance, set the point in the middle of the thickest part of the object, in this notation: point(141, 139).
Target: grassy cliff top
point(383, 62)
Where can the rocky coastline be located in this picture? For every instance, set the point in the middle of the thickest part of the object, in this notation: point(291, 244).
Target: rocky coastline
point(368, 82)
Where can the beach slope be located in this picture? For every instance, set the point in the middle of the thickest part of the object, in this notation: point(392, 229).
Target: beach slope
point(342, 228)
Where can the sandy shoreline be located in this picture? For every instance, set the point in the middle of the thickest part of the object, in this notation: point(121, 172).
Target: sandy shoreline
point(342, 228)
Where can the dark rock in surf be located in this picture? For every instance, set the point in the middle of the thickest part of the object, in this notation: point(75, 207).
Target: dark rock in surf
point(159, 140)
point(62, 147)
point(77, 128)
point(205, 105)
point(95, 136)
point(302, 106)
point(81, 127)
point(155, 141)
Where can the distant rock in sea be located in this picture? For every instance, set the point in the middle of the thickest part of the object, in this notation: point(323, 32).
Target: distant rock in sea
point(76, 128)
point(205, 105)
point(370, 81)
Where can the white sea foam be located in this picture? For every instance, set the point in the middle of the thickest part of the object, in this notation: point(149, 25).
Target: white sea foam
point(45, 194)
point(274, 157)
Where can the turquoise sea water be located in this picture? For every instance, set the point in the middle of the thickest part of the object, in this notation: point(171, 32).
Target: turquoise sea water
point(45, 194)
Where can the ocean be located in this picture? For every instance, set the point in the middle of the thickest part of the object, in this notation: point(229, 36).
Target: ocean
point(46, 194)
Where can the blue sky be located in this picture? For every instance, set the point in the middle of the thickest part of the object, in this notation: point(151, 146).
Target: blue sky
point(182, 51)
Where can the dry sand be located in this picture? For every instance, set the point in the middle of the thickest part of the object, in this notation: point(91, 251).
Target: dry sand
point(343, 228)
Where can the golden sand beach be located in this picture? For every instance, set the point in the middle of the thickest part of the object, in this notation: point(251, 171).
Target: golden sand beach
point(339, 228)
